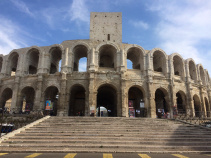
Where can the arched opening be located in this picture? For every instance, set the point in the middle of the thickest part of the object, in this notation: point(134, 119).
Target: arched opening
point(207, 106)
point(13, 63)
point(136, 57)
point(208, 77)
point(161, 103)
point(56, 60)
point(129, 64)
point(1, 62)
point(6, 99)
point(197, 106)
point(33, 59)
point(51, 100)
point(159, 62)
point(77, 101)
point(79, 52)
point(192, 70)
point(181, 102)
point(107, 56)
point(178, 66)
point(107, 98)
point(202, 75)
point(27, 99)
point(136, 103)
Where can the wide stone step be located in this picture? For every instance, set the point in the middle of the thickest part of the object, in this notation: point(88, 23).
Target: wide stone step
point(67, 142)
point(63, 138)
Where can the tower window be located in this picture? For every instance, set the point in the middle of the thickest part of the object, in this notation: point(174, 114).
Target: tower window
point(108, 37)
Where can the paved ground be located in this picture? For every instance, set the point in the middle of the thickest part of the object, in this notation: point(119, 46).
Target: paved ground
point(100, 155)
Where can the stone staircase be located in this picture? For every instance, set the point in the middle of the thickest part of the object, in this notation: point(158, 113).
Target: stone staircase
point(91, 134)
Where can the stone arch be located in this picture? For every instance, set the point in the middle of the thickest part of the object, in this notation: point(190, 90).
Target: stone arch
point(192, 69)
point(80, 51)
point(6, 98)
point(51, 97)
point(113, 85)
point(107, 43)
point(107, 99)
point(201, 74)
point(26, 99)
point(32, 60)
point(197, 106)
point(77, 100)
point(136, 55)
point(207, 105)
point(159, 60)
point(181, 102)
point(136, 101)
point(178, 64)
point(55, 59)
point(162, 102)
point(12, 64)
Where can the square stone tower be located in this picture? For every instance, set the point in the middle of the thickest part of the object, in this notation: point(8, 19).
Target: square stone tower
point(106, 26)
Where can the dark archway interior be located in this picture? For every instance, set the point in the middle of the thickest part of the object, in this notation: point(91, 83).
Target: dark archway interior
point(161, 104)
point(136, 100)
point(27, 98)
point(107, 97)
point(192, 70)
point(135, 56)
point(107, 56)
point(33, 60)
point(80, 51)
point(13, 60)
point(77, 101)
point(1, 62)
point(197, 108)
point(6, 98)
point(159, 61)
point(180, 103)
point(52, 94)
point(56, 57)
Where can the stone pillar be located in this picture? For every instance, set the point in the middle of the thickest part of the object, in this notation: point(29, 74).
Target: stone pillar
point(92, 64)
point(122, 67)
point(92, 97)
point(64, 67)
point(203, 105)
point(62, 108)
point(124, 99)
point(151, 111)
point(38, 104)
point(70, 62)
point(209, 102)
point(14, 105)
point(119, 107)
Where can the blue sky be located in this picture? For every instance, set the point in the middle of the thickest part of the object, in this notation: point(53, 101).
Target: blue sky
point(181, 26)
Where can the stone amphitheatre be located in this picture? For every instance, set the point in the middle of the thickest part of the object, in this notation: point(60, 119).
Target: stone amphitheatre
point(31, 76)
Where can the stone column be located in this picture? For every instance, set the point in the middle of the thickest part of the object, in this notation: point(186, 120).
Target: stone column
point(119, 107)
point(38, 104)
point(14, 104)
point(203, 105)
point(92, 96)
point(62, 108)
point(124, 99)
point(209, 102)
point(70, 62)
point(122, 67)
point(64, 67)
point(92, 64)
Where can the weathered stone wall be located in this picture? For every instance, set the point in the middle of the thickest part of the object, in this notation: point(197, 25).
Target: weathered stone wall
point(172, 76)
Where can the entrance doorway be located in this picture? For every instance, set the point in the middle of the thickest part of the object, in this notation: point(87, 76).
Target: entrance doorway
point(77, 101)
point(136, 103)
point(161, 104)
point(107, 100)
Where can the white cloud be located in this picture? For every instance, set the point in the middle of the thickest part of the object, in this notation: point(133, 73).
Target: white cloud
point(140, 24)
point(82, 66)
point(184, 27)
point(22, 7)
point(9, 36)
point(79, 11)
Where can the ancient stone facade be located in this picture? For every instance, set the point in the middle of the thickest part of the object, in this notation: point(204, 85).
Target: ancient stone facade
point(157, 80)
